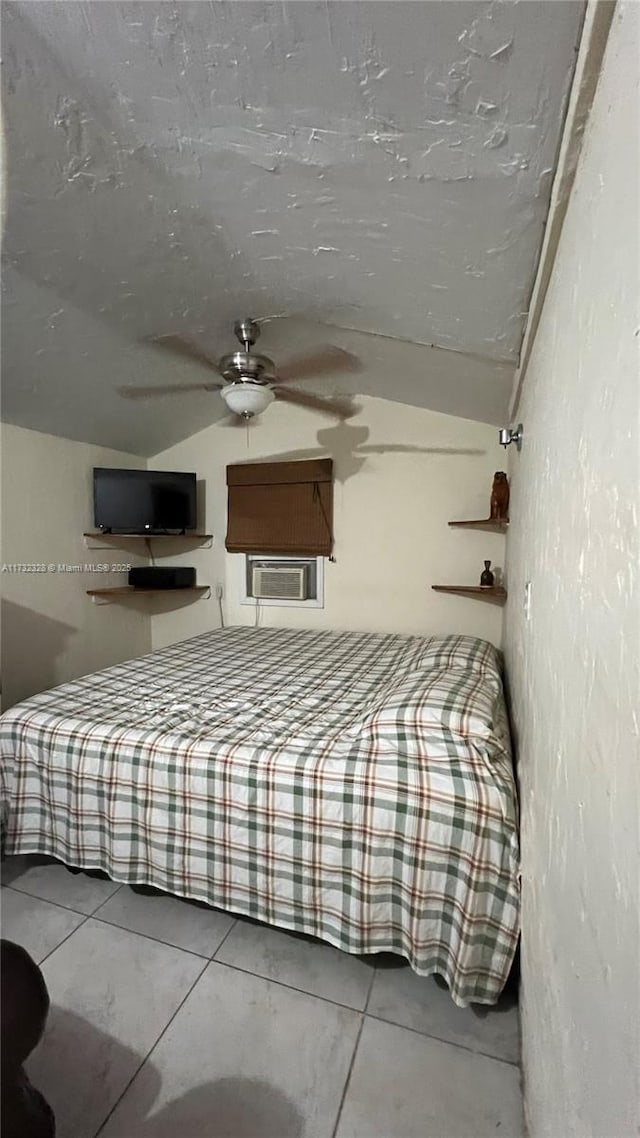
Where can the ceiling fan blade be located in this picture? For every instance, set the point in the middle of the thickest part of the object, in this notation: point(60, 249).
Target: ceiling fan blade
point(340, 408)
point(182, 348)
point(165, 389)
point(324, 360)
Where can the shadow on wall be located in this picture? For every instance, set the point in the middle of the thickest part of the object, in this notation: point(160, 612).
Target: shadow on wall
point(68, 1068)
point(347, 446)
point(31, 644)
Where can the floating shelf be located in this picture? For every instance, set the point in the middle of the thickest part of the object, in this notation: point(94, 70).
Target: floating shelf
point(132, 591)
point(490, 525)
point(494, 593)
point(151, 536)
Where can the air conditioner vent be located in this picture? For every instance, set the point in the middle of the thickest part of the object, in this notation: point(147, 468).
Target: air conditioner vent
point(280, 583)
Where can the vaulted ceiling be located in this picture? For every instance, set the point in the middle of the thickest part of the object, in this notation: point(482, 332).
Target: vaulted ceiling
point(376, 175)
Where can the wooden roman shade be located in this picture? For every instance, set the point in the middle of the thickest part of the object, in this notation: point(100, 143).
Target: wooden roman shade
point(281, 507)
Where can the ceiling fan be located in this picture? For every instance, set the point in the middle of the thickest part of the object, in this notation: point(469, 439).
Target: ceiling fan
point(250, 382)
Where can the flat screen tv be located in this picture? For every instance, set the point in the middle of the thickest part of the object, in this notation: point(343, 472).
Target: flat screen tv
point(143, 501)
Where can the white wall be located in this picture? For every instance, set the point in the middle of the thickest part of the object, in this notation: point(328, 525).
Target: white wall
point(51, 630)
point(573, 668)
point(391, 510)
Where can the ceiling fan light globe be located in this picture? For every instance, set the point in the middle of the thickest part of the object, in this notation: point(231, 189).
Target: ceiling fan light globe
point(247, 399)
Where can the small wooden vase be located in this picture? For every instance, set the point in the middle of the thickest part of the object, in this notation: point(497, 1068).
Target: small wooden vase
point(487, 577)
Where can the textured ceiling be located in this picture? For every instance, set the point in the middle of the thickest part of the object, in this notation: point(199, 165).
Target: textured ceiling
point(383, 167)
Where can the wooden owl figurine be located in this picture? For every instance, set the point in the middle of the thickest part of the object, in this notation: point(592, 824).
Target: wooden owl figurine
point(500, 496)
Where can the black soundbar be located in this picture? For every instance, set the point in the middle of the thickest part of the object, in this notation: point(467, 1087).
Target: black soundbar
point(162, 577)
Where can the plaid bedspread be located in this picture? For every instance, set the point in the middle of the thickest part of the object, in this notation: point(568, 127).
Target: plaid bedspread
point(356, 787)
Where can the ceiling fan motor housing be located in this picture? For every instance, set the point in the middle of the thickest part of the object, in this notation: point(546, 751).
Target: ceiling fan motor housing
point(247, 367)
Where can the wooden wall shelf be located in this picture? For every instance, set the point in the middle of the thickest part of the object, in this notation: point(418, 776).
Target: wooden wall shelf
point(131, 591)
point(150, 536)
point(489, 525)
point(494, 593)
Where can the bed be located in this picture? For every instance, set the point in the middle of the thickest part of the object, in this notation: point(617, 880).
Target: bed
point(356, 787)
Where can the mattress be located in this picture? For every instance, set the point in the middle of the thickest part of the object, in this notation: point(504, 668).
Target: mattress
point(356, 787)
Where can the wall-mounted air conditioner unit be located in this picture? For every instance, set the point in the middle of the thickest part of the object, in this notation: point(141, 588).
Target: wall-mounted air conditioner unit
point(275, 582)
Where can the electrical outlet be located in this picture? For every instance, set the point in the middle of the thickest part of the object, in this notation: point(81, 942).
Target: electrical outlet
point(526, 605)
point(219, 590)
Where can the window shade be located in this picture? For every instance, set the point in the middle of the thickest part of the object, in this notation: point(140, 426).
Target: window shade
point(281, 507)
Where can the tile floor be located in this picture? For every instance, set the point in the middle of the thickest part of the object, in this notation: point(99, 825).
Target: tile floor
point(173, 1021)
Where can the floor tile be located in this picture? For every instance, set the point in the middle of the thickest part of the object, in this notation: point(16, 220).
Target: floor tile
point(56, 884)
point(315, 968)
point(37, 925)
point(404, 1085)
point(244, 1058)
point(417, 1002)
point(168, 919)
point(112, 994)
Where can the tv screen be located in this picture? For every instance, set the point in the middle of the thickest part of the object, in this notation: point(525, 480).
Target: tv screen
point(144, 501)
